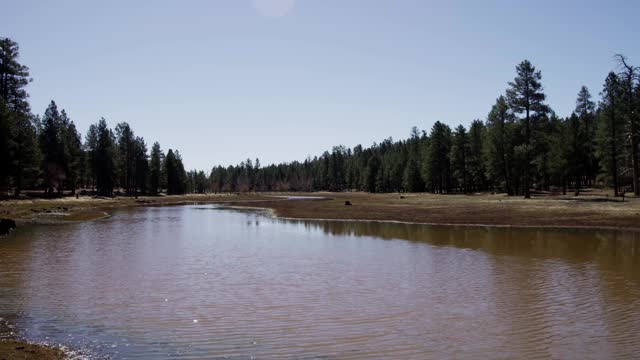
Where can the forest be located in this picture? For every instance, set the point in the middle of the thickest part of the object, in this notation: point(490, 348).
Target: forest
point(522, 147)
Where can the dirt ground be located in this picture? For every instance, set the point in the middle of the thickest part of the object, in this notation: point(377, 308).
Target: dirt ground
point(591, 211)
point(17, 350)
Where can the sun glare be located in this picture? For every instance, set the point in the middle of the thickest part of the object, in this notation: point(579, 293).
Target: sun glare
point(273, 8)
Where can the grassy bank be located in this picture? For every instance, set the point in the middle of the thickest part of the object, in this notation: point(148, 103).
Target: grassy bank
point(84, 208)
point(592, 210)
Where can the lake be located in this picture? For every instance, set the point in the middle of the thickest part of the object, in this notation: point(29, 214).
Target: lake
point(200, 281)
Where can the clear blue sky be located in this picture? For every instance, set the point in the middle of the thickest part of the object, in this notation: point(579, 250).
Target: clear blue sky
point(223, 81)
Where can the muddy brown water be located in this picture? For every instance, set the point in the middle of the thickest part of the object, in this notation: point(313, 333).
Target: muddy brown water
point(194, 282)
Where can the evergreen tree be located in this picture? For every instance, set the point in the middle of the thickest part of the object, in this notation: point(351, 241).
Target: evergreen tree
point(24, 153)
point(559, 153)
point(52, 147)
point(105, 153)
point(90, 148)
point(371, 177)
point(412, 181)
point(126, 157)
point(610, 134)
point(335, 171)
point(17, 153)
point(475, 162)
point(155, 168)
point(176, 176)
point(499, 152)
point(171, 171)
point(629, 104)
point(217, 178)
point(141, 166)
point(459, 153)
point(576, 141)
point(6, 128)
point(14, 77)
point(437, 167)
point(525, 96)
point(72, 154)
point(585, 109)
point(541, 150)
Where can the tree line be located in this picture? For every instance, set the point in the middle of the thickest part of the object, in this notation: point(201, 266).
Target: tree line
point(521, 146)
point(47, 152)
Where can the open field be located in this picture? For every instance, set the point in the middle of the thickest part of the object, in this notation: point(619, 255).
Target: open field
point(486, 209)
point(593, 210)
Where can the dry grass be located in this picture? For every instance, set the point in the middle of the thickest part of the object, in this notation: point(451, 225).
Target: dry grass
point(592, 210)
point(482, 209)
point(86, 208)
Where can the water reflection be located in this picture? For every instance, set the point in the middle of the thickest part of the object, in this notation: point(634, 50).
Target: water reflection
point(609, 248)
point(133, 285)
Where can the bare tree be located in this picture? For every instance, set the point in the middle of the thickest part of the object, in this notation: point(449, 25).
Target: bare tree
point(629, 75)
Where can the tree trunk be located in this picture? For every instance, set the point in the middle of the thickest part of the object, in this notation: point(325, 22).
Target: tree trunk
point(614, 157)
point(634, 156)
point(527, 193)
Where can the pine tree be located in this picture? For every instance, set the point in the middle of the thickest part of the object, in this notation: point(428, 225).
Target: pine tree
point(576, 156)
point(629, 105)
point(72, 155)
point(126, 156)
point(475, 161)
point(371, 176)
point(16, 142)
point(499, 152)
point(141, 166)
point(585, 109)
point(176, 175)
point(6, 128)
point(459, 153)
point(155, 168)
point(25, 154)
point(412, 181)
point(336, 172)
point(559, 153)
point(90, 148)
point(610, 131)
point(525, 96)
point(52, 148)
point(105, 153)
point(14, 77)
point(437, 166)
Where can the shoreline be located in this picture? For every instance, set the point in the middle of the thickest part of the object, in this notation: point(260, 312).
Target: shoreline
point(545, 227)
point(485, 210)
point(14, 347)
point(272, 213)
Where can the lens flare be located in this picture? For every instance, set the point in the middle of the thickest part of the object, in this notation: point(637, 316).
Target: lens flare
point(273, 8)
